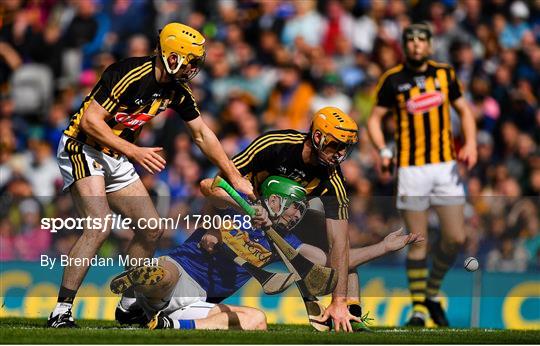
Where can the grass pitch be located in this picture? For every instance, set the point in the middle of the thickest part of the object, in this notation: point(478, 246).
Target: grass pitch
point(32, 331)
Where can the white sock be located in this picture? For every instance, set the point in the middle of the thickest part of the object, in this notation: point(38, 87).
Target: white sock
point(126, 302)
point(176, 324)
point(61, 308)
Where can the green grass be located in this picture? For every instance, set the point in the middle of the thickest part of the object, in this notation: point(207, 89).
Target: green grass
point(25, 331)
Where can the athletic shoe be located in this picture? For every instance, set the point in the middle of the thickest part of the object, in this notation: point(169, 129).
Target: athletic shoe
point(132, 315)
point(63, 320)
point(362, 326)
point(436, 312)
point(160, 321)
point(418, 319)
point(143, 275)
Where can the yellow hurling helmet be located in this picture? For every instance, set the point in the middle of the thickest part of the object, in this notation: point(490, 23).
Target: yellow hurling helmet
point(336, 128)
point(185, 42)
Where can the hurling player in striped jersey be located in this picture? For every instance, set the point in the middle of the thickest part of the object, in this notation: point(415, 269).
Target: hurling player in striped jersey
point(313, 160)
point(97, 150)
point(420, 94)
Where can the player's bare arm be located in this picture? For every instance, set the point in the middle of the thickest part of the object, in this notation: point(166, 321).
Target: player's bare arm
point(374, 126)
point(394, 241)
point(207, 141)
point(93, 123)
point(468, 152)
point(338, 239)
point(218, 198)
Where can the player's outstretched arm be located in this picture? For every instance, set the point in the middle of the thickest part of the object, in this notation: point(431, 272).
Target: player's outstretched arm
point(93, 124)
point(393, 242)
point(207, 141)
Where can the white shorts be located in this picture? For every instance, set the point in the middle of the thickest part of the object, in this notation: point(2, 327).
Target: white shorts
point(431, 184)
point(186, 302)
point(78, 160)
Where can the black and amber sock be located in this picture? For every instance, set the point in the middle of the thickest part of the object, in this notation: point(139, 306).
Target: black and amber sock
point(65, 295)
point(442, 262)
point(417, 273)
point(64, 302)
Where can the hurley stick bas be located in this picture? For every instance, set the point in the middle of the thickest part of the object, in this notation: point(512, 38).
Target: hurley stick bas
point(314, 308)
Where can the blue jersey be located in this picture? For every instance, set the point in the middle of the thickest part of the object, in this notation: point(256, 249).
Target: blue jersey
point(217, 273)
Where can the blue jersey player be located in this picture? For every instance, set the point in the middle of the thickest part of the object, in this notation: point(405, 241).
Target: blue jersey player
point(185, 289)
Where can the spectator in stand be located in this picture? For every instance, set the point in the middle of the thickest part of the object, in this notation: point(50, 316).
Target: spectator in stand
point(513, 32)
point(7, 240)
point(330, 95)
point(57, 121)
point(289, 102)
point(366, 27)
point(462, 58)
point(485, 157)
point(31, 241)
point(338, 26)
point(485, 108)
point(121, 14)
point(138, 46)
point(7, 148)
point(507, 257)
point(10, 60)
point(41, 170)
point(307, 24)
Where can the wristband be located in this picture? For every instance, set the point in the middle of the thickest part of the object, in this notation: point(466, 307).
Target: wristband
point(386, 153)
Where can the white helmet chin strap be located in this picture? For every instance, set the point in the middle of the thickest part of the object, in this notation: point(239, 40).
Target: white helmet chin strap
point(321, 141)
point(168, 68)
point(281, 207)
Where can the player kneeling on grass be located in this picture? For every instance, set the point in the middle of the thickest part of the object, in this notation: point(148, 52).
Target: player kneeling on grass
point(184, 290)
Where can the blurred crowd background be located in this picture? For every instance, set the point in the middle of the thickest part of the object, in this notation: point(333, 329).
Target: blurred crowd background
point(270, 65)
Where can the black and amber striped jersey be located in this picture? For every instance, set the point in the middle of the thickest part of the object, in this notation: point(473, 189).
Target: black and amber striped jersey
point(280, 153)
point(420, 102)
point(128, 90)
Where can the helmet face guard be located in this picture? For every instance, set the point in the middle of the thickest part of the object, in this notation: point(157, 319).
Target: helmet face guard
point(193, 66)
point(329, 145)
point(333, 135)
point(292, 201)
point(288, 219)
point(193, 63)
point(420, 31)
